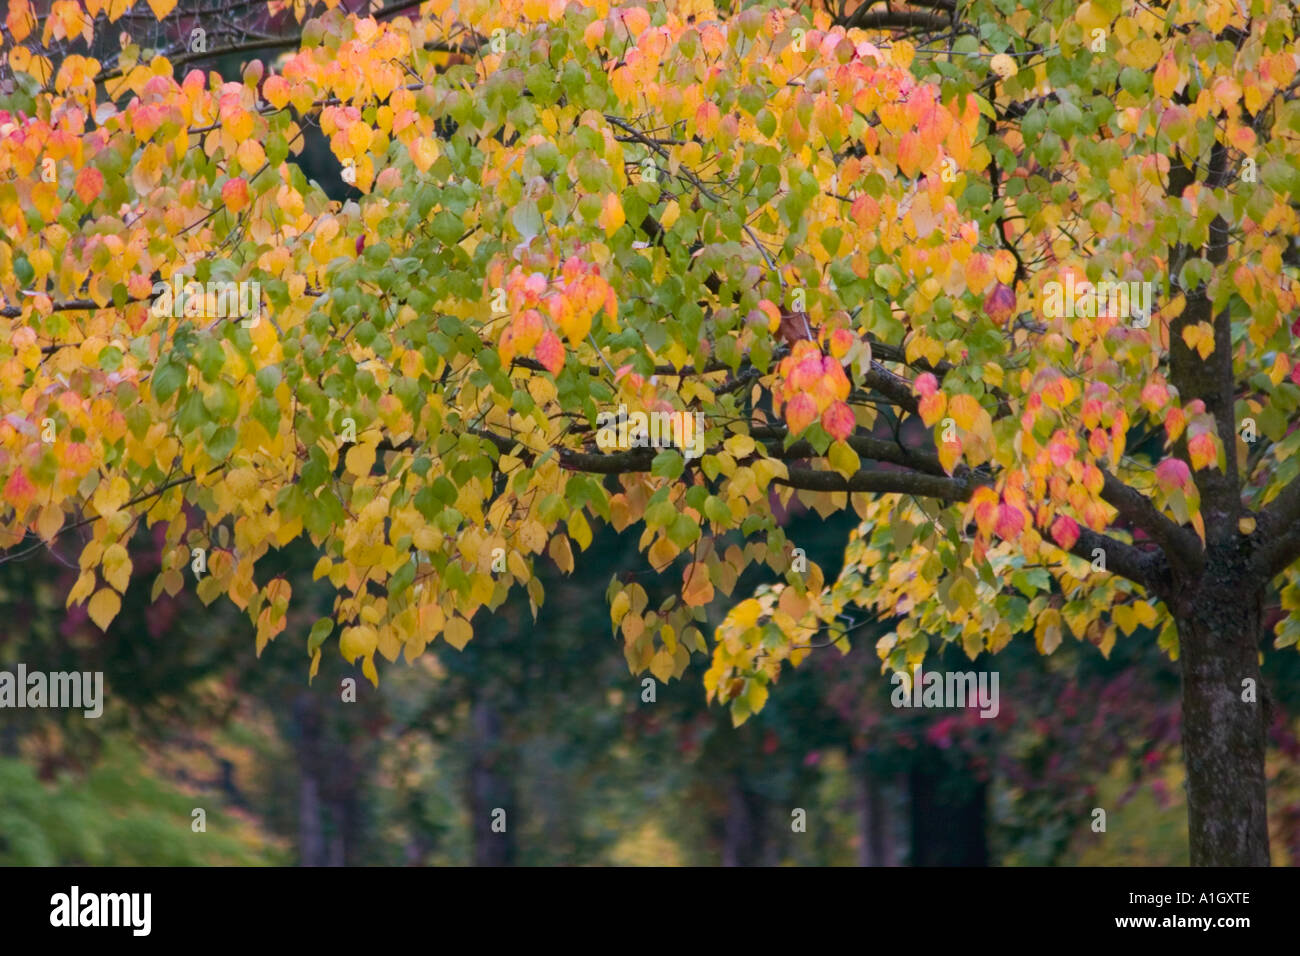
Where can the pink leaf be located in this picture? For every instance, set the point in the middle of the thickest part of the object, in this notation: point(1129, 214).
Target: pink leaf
point(1173, 473)
point(1010, 521)
point(838, 420)
point(1065, 531)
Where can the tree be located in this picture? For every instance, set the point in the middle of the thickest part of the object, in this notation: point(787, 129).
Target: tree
point(1017, 290)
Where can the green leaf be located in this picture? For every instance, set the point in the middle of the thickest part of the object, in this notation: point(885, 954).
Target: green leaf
point(319, 632)
point(166, 380)
point(669, 463)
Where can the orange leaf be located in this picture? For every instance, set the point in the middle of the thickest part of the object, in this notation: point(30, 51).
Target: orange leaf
point(697, 589)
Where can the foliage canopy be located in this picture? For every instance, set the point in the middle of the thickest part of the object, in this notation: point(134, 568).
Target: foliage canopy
point(833, 245)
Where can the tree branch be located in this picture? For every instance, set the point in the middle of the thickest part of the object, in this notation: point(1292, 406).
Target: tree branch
point(1146, 568)
point(1181, 545)
point(873, 449)
point(1278, 526)
point(895, 19)
point(956, 487)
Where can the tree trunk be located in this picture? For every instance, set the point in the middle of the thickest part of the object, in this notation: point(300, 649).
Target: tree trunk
point(742, 843)
point(1219, 633)
point(873, 822)
point(311, 822)
point(311, 840)
point(949, 813)
point(491, 796)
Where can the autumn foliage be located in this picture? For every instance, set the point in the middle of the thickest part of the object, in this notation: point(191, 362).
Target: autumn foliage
point(831, 242)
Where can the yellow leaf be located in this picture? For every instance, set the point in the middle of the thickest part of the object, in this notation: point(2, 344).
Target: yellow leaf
point(82, 589)
point(110, 496)
point(104, 607)
point(50, 521)
point(1146, 614)
point(457, 632)
point(518, 567)
point(949, 455)
point(619, 607)
point(671, 212)
point(965, 411)
point(1091, 17)
point(573, 322)
point(633, 627)
point(1004, 266)
point(161, 8)
point(119, 574)
point(1005, 66)
point(579, 530)
point(360, 459)
point(1166, 76)
point(357, 641)
point(662, 553)
point(532, 535)
point(1218, 14)
point(843, 459)
point(424, 153)
point(902, 53)
point(1143, 53)
point(611, 214)
point(740, 446)
point(662, 665)
point(561, 553)
point(745, 614)
point(1200, 337)
point(1048, 631)
point(208, 589)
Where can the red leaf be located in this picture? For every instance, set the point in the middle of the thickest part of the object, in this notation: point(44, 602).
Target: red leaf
point(1065, 531)
point(550, 352)
point(837, 420)
point(235, 195)
point(1010, 521)
point(19, 491)
point(1000, 303)
point(90, 183)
